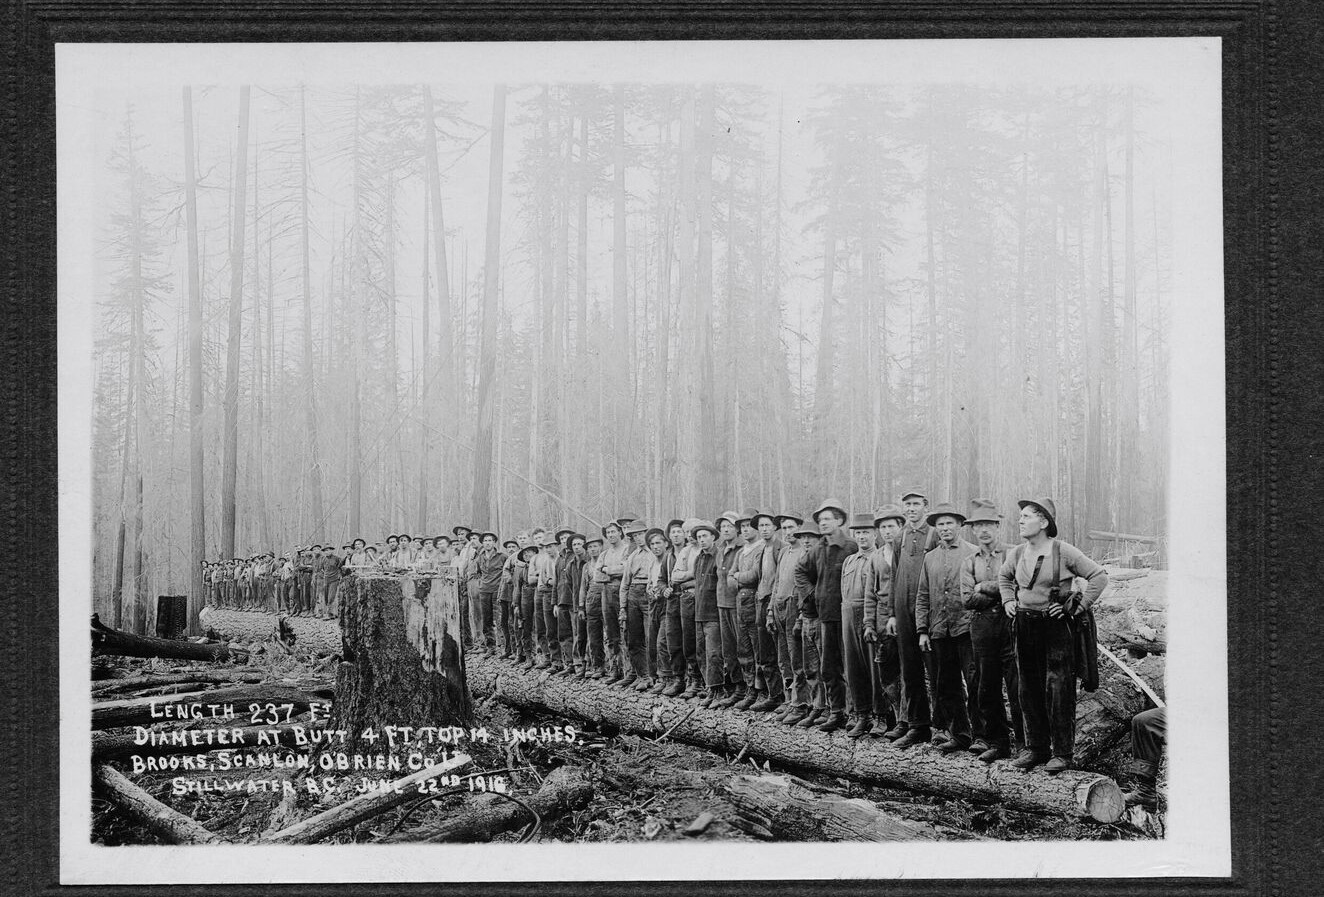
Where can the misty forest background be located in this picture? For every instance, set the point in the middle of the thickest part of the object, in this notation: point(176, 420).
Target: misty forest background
point(332, 312)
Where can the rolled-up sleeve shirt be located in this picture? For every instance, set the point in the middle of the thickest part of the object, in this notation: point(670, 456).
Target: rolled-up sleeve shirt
point(979, 578)
point(749, 566)
point(1018, 569)
point(878, 604)
point(638, 568)
point(939, 612)
point(682, 574)
point(773, 549)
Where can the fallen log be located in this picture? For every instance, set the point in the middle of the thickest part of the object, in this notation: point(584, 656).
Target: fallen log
point(169, 825)
point(1133, 613)
point(365, 806)
point(125, 644)
point(565, 789)
point(922, 768)
point(1103, 717)
point(138, 683)
point(193, 741)
point(139, 711)
point(315, 634)
point(785, 808)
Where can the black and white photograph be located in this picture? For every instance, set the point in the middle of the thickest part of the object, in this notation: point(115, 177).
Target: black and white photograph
point(500, 462)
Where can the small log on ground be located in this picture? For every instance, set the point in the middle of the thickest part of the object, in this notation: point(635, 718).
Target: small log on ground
point(365, 806)
point(125, 644)
point(194, 741)
point(785, 808)
point(565, 789)
point(167, 824)
point(138, 711)
point(139, 683)
point(922, 768)
point(1133, 613)
point(315, 634)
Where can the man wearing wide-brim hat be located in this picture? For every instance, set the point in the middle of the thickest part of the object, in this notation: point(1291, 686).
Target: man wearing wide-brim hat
point(707, 632)
point(864, 583)
point(746, 570)
point(634, 606)
point(943, 625)
point(829, 556)
point(809, 629)
point(1035, 587)
point(607, 571)
point(770, 655)
point(990, 636)
point(522, 595)
point(914, 723)
point(783, 611)
point(682, 587)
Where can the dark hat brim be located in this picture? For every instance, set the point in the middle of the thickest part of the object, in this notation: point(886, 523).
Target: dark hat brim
point(1052, 521)
point(456, 530)
point(933, 518)
point(841, 511)
point(782, 518)
point(706, 527)
point(761, 516)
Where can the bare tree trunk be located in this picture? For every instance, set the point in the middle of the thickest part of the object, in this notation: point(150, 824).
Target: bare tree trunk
point(826, 328)
point(482, 458)
point(309, 368)
point(355, 298)
point(425, 408)
point(445, 358)
point(197, 494)
point(230, 462)
point(687, 364)
point(708, 467)
point(620, 300)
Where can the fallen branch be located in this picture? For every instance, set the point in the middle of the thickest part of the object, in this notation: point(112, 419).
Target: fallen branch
point(169, 825)
point(923, 768)
point(139, 711)
point(364, 807)
point(565, 789)
point(112, 641)
point(785, 808)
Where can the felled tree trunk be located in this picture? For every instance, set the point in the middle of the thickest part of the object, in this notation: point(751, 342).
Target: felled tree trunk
point(1103, 717)
point(403, 662)
point(566, 788)
point(169, 825)
point(313, 633)
point(785, 808)
point(923, 768)
point(1133, 613)
point(112, 641)
point(200, 678)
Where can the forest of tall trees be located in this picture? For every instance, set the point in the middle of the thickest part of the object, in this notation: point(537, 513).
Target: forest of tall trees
point(326, 313)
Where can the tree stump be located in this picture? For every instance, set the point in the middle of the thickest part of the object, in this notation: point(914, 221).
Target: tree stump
point(403, 661)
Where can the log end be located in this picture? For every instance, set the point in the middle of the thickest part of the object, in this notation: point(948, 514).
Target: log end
point(1101, 799)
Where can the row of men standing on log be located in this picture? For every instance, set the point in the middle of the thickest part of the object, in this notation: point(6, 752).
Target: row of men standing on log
point(887, 624)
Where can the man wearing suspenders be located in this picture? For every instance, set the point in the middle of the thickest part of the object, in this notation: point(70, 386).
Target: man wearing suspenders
point(1035, 583)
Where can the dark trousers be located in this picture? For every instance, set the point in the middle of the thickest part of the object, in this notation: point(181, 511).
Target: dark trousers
point(689, 638)
point(655, 635)
point(886, 679)
point(475, 611)
point(565, 634)
point(677, 659)
point(507, 628)
point(544, 624)
point(995, 669)
point(953, 663)
point(1045, 662)
point(1149, 734)
point(485, 621)
point(305, 593)
point(747, 614)
point(728, 622)
point(593, 624)
point(831, 665)
point(580, 621)
point(767, 648)
point(611, 623)
point(859, 661)
point(811, 641)
point(914, 691)
point(708, 644)
point(636, 627)
point(527, 621)
point(466, 620)
point(790, 653)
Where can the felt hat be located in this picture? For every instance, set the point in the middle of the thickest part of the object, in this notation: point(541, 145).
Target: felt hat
point(460, 527)
point(564, 531)
point(438, 540)
point(580, 536)
point(635, 527)
point(527, 552)
point(404, 537)
point(547, 540)
point(654, 531)
point(945, 509)
point(746, 515)
point(808, 530)
point(704, 525)
point(728, 515)
point(831, 504)
point(510, 543)
point(611, 523)
point(862, 521)
point(392, 536)
point(358, 542)
point(591, 540)
point(627, 518)
point(762, 515)
point(789, 515)
point(675, 521)
point(1047, 508)
point(888, 512)
point(913, 493)
point(983, 511)
point(495, 537)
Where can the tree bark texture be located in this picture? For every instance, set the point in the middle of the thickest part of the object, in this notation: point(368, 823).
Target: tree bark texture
point(124, 644)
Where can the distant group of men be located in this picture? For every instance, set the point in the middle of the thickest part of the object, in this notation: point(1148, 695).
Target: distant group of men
point(890, 625)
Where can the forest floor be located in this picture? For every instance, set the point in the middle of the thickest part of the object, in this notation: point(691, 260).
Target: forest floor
point(644, 788)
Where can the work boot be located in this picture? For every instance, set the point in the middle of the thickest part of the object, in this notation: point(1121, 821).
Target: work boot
point(1144, 775)
point(782, 709)
point(1029, 759)
point(836, 720)
point(978, 746)
point(1057, 764)
point(732, 697)
point(583, 671)
point(939, 737)
point(794, 716)
point(557, 670)
point(597, 673)
point(676, 689)
point(952, 745)
point(879, 729)
point(915, 735)
point(704, 698)
point(660, 687)
point(629, 681)
point(813, 718)
point(896, 731)
point(644, 683)
point(764, 705)
point(861, 727)
point(542, 664)
point(691, 691)
point(996, 752)
point(749, 700)
point(614, 676)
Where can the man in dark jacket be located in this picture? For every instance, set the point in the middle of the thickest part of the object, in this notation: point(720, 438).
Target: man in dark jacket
point(811, 630)
point(832, 552)
point(707, 632)
point(943, 625)
point(916, 538)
